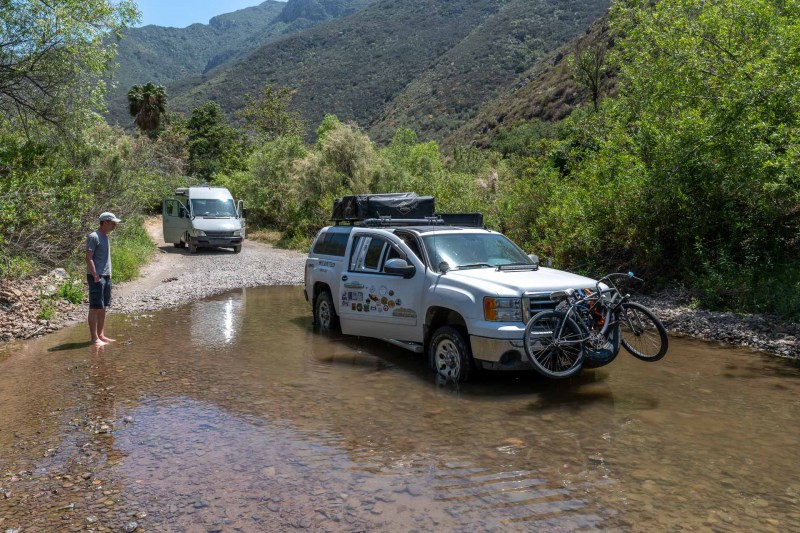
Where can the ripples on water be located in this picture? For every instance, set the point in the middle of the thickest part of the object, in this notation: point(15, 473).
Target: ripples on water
point(232, 414)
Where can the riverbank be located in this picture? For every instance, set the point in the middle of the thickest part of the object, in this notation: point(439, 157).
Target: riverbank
point(174, 278)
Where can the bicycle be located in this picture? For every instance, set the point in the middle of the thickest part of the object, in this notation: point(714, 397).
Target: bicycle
point(588, 327)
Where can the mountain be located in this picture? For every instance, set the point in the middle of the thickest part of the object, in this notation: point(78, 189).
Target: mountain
point(546, 91)
point(484, 64)
point(425, 64)
point(163, 55)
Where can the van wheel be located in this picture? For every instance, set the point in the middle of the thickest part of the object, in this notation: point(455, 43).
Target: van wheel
point(192, 248)
point(324, 313)
point(449, 354)
point(237, 249)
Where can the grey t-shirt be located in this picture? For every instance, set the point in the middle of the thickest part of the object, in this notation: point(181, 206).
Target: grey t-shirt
point(97, 242)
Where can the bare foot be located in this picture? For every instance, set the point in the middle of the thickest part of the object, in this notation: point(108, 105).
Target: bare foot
point(99, 342)
point(106, 339)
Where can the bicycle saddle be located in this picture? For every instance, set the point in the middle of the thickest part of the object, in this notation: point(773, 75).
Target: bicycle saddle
point(557, 296)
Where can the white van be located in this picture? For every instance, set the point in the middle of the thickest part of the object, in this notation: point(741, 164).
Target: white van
point(201, 216)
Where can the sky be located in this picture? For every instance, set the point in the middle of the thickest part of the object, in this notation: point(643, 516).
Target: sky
point(182, 13)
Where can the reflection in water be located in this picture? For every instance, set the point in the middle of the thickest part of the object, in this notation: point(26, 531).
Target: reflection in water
point(257, 423)
point(216, 321)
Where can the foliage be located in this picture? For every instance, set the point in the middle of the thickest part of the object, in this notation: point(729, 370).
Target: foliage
point(53, 54)
point(71, 290)
point(589, 67)
point(214, 146)
point(131, 248)
point(147, 105)
point(271, 198)
point(267, 116)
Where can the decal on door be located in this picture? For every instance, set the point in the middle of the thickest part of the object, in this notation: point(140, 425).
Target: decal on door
point(381, 300)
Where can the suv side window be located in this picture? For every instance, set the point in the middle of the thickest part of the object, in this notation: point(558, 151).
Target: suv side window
point(331, 243)
point(370, 253)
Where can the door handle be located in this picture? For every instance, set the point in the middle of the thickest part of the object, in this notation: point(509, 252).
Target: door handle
point(344, 278)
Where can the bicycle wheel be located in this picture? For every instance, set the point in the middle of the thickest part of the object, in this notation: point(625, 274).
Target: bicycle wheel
point(643, 334)
point(553, 354)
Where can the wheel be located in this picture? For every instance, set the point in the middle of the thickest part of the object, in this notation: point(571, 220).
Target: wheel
point(192, 247)
point(643, 334)
point(237, 249)
point(449, 354)
point(325, 313)
point(556, 355)
point(179, 244)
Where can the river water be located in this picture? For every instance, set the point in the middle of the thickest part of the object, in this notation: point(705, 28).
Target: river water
point(232, 414)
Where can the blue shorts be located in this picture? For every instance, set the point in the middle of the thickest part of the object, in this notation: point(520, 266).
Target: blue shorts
point(100, 292)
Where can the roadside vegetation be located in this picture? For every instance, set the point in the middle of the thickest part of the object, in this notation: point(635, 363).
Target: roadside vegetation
point(687, 175)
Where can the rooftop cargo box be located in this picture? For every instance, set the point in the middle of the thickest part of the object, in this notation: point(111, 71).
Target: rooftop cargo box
point(395, 205)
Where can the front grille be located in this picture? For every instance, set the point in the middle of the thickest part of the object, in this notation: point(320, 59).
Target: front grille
point(219, 234)
point(535, 303)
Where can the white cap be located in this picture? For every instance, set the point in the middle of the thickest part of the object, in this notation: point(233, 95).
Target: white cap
point(109, 216)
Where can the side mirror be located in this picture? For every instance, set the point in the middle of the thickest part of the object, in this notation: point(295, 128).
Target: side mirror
point(244, 212)
point(184, 213)
point(399, 267)
point(444, 267)
point(535, 259)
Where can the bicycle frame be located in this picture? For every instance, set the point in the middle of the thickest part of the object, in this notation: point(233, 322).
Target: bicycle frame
point(610, 298)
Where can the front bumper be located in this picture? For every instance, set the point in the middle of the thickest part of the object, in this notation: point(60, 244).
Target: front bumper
point(223, 242)
point(499, 354)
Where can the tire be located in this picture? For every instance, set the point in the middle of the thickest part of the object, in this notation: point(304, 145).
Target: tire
point(237, 249)
point(643, 334)
point(179, 244)
point(192, 247)
point(449, 355)
point(325, 316)
point(556, 358)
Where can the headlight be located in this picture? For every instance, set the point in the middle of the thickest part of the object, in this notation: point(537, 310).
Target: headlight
point(237, 233)
point(198, 233)
point(502, 309)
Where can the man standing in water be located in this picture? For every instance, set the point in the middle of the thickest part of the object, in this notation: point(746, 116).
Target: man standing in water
point(98, 268)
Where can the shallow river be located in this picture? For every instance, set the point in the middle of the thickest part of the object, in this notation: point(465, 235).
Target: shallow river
point(231, 414)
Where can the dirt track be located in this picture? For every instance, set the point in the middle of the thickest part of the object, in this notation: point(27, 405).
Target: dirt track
point(174, 276)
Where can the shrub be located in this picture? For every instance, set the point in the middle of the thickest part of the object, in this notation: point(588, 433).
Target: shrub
point(71, 290)
point(131, 248)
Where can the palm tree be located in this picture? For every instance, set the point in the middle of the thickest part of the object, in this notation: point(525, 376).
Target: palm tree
point(147, 104)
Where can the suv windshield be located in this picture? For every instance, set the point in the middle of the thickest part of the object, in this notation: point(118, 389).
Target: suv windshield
point(213, 208)
point(473, 250)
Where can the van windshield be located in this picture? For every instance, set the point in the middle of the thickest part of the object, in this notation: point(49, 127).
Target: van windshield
point(474, 250)
point(213, 208)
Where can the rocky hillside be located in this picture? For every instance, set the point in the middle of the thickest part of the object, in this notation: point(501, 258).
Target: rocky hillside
point(164, 55)
point(428, 65)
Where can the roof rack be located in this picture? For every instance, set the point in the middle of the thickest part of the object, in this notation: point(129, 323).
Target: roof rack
point(472, 220)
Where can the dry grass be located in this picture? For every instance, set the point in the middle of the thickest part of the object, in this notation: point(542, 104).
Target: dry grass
point(268, 236)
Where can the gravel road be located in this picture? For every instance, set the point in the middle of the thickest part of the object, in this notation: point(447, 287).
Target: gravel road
point(175, 277)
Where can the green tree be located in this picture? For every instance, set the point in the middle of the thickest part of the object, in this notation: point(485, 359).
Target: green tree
point(214, 146)
point(147, 104)
point(589, 68)
point(268, 117)
point(54, 54)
